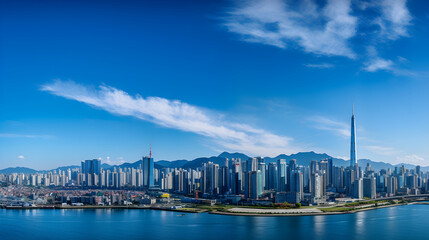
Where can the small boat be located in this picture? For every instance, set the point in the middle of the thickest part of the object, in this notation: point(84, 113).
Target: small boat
point(181, 215)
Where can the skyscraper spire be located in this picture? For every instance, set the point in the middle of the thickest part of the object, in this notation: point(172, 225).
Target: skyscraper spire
point(150, 150)
point(353, 159)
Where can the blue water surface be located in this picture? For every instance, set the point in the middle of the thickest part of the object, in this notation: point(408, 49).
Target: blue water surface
point(401, 222)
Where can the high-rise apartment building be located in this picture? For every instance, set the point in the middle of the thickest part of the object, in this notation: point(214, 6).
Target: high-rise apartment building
point(147, 169)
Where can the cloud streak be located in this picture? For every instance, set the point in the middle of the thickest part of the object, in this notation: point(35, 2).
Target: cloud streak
point(394, 19)
point(323, 31)
point(14, 135)
point(320, 65)
point(336, 127)
point(176, 115)
point(411, 159)
point(377, 64)
point(381, 150)
point(327, 28)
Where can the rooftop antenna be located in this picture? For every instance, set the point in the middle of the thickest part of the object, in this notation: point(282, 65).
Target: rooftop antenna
point(150, 150)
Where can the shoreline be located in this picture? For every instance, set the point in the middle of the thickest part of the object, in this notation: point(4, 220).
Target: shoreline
point(307, 214)
point(102, 207)
point(213, 211)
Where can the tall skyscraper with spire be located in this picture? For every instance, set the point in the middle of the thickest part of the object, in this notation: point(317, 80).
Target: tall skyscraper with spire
point(147, 168)
point(353, 159)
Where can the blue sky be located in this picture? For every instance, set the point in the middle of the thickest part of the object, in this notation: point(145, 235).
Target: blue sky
point(90, 79)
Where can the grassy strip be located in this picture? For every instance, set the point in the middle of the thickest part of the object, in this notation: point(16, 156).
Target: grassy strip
point(354, 204)
point(351, 207)
point(220, 208)
point(337, 209)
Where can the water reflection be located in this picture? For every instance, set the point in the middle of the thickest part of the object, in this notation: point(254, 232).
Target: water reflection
point(319, 225)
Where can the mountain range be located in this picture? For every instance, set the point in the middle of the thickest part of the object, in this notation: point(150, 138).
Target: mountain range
point(302, 158)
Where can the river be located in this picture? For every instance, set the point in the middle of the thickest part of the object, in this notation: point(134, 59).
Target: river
point(401, 222)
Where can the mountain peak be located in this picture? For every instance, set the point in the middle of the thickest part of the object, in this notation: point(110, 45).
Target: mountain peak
point(233, 155)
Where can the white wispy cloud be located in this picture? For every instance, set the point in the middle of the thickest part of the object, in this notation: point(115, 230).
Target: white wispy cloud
point(377, 64)
point(320, 65)
point(395, 18)
point(323, 30)
point(177, 115)
point(396, 156)
point(381, 150)
point(15, 135)
point(393, 22)
point(336, 127)
point(411, 159)
point(118, 161)
point(402, 59)
point(21, 157)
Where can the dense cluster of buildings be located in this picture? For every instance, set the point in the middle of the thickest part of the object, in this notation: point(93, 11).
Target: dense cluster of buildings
point(246, 180)
point(90, 175)
point(29, 196)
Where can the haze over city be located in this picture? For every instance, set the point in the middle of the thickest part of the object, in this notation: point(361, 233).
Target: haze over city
point(195, 79)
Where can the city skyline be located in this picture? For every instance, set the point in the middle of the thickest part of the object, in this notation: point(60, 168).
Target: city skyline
point(230, 179)
point(194, 80)
point(214, 119)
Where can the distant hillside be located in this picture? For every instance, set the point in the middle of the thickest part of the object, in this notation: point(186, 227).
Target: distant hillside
point(65, 168)
point(233, 155)
point(302, 158)
point(18, 170)
point(197, 163)
point(171, 164)
point(136, 164)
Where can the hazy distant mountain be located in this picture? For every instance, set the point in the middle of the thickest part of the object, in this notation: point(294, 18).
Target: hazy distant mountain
point(302, 158)
point(18, 170)
point(197, 163)
point(65, 168)
point(171, 164)
point(135, 164)
point(233, 155)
